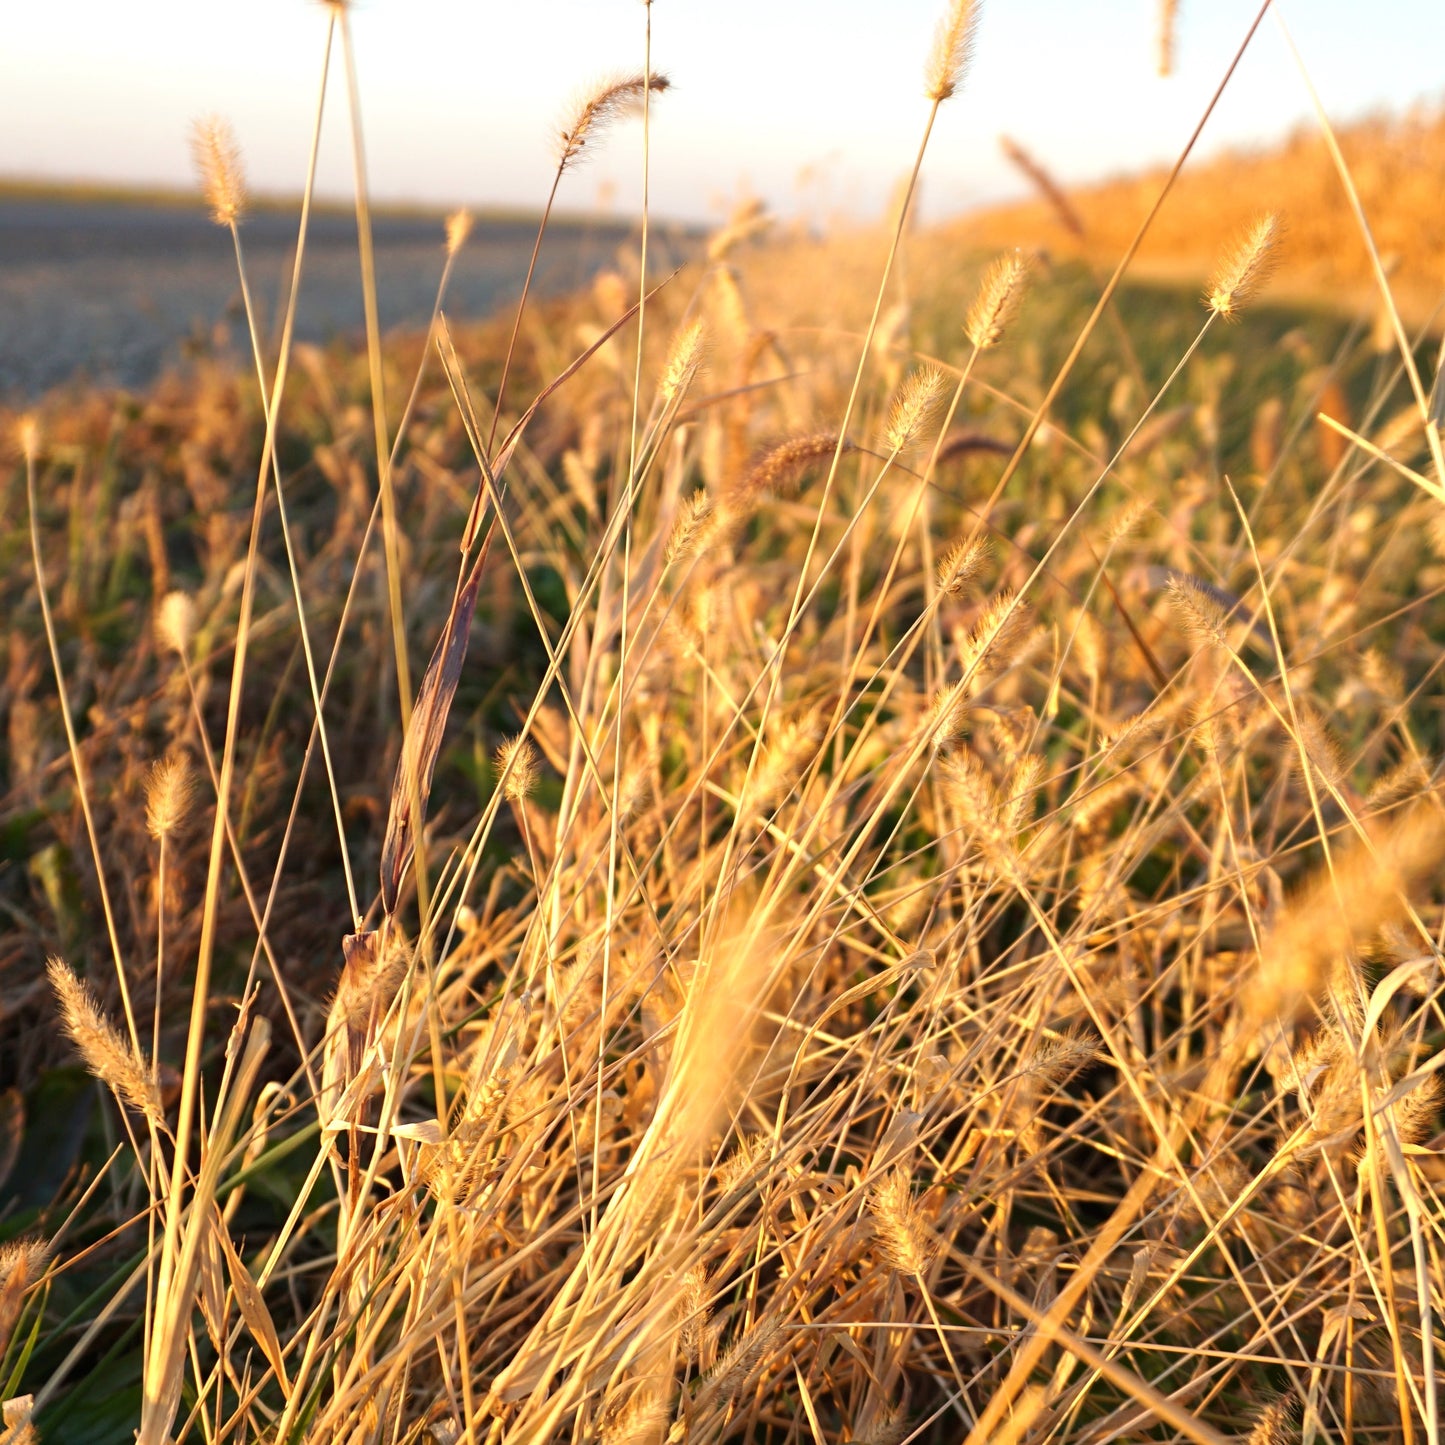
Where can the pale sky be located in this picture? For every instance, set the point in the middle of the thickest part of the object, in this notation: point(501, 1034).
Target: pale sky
point(815, 105)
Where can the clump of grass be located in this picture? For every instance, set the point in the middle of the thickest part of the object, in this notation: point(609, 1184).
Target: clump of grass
point(845, 941)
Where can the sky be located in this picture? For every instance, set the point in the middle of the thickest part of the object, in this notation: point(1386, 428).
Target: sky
point(815, 106)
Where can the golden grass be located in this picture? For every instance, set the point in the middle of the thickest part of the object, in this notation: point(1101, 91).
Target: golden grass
point(902, 905)
point(1397, 163)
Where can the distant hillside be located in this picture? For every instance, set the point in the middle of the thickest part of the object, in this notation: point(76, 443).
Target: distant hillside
point(1398, 166)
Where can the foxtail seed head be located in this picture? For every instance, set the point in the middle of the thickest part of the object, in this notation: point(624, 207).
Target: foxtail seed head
point(168, 794)
point(106, 1054)
point(176, 622)
point(459, 227)
point(998, 300)
point(683, 360)
point(917, 399)
point(958, 565)
point(517, 762)
point(953, 43)
point(1245, 268)
point(610, 101)
point(217, 159)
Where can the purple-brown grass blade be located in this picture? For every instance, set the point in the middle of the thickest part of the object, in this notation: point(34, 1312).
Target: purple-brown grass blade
point(423, 741)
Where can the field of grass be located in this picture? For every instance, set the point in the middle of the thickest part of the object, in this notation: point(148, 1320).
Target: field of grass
point(867, 869)
point(1396, 165)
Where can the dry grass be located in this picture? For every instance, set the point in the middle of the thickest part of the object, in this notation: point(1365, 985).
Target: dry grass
point(906, 906)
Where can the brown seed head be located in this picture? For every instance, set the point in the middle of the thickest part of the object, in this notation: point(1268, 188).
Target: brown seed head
point(748, 220)
point(217, 159)
point(953, 43)
point(1045, 184)
point(27, 433)
point(914, 405)
point(780, 468)
point(1335, 915)
point(518, 763)
point(998, 300)
point(1245, 268)
point(610, 101)
point(106, 1054)
point(786, 753)
point(640, 1421)
point(168, 794)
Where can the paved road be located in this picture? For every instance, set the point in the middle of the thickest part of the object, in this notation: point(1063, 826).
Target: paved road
point(117, 292)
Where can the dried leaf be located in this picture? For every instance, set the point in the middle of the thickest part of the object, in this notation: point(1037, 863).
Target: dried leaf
point(253, 1307)
point(211, 1292)
point(426, 1131)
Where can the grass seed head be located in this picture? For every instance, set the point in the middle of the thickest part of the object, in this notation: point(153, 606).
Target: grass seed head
point(1168, 24)
point(958, 566)
point(917, 400)
point(1200, 615)
point(610, 101)
point(1275, 1423)
point(1245, 268)
point(693, 1313)
point(217, 159)
point(106, 1054)
point(683, 360)
point(998, 300)
point(901, 1232)
point(176, 622)
point(459, 227)
point(694, 529)
point(780, 469)
point(952, 51)
point(1417, 1112)
point(997, 636)
point(946, 719)
point(641, 1421)
point(22, 1262)
point(168, 795)
point(1043, 182)
point(519, 763)
point(727, 1378)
